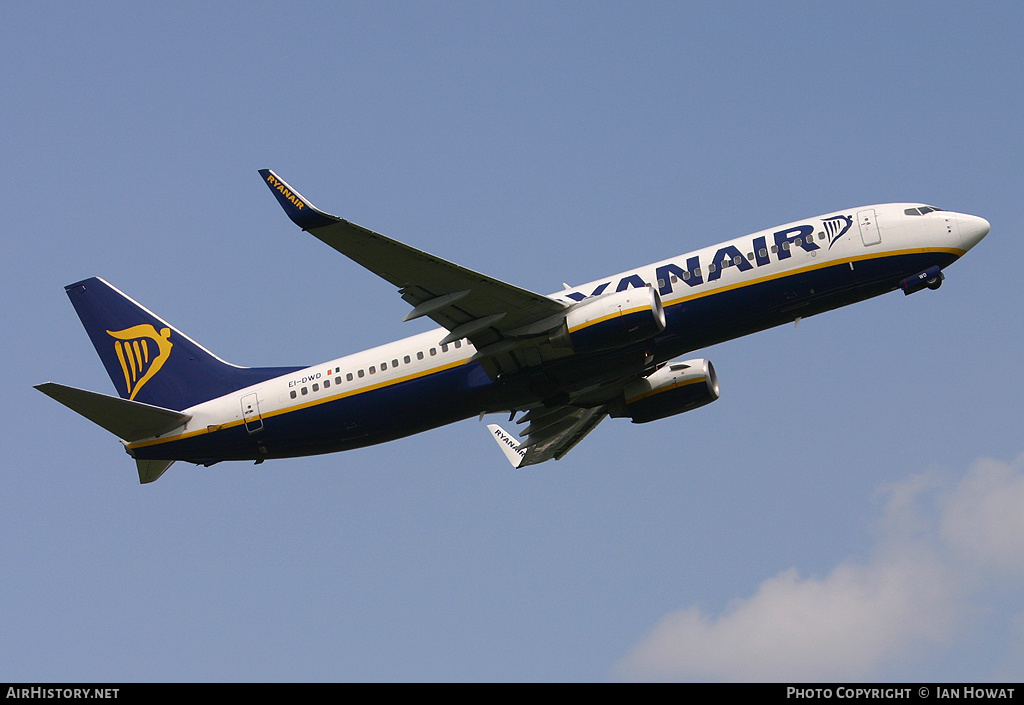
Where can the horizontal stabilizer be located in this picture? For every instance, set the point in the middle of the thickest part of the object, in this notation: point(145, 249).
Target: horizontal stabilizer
point(126, 419)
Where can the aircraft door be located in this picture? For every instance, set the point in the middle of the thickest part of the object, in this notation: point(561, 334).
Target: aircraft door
point(868, 224)
point(251, 413)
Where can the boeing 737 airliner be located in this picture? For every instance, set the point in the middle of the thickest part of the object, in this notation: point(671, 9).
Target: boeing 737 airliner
point(563, 362)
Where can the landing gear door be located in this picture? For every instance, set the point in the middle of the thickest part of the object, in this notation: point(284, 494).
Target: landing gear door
point(251, 413)
point(868, 224)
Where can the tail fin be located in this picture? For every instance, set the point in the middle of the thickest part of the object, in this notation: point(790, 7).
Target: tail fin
point(149, 360)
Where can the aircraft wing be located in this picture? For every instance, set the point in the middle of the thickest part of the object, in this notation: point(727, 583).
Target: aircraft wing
point(498, 318)
point(551, 434)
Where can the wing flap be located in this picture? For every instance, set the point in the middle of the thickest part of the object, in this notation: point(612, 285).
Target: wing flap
point(552, 441)
point(556, 445)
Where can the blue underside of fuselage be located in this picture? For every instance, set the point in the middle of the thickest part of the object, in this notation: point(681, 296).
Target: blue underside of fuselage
point(446, 396)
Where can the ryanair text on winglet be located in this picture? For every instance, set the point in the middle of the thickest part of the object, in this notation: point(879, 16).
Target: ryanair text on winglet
point(508, 440)
point(295, 200)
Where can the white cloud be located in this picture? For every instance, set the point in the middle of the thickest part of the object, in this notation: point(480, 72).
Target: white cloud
point(839, 627)
point(863, 616)
point(984, 517)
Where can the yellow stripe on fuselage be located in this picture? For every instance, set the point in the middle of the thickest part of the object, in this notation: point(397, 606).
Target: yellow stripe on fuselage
point(296, 407)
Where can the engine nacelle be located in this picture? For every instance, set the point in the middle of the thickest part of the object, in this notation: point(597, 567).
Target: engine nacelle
point(671, 390)
point(612, 320)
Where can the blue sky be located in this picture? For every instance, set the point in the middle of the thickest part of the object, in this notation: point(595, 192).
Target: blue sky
point(851, 508)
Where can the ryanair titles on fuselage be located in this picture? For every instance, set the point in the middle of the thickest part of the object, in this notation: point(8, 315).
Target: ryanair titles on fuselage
point(695, 274)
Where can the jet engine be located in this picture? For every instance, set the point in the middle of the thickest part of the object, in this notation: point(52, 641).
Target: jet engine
point(612, 320)
point(670, 390)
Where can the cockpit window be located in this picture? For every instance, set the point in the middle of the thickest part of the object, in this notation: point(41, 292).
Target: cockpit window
point(921, 211)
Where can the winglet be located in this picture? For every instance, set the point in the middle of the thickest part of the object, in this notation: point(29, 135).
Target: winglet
point(508, 443)
point(301, 211)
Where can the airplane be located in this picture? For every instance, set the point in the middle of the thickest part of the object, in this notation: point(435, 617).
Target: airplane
point(562, 362)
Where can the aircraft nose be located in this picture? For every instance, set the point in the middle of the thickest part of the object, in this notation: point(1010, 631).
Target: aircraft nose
point(972, 229)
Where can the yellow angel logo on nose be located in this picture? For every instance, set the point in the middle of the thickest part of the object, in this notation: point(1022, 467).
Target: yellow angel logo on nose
point(139, 361)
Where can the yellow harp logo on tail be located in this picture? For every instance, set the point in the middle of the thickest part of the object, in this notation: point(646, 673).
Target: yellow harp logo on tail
point(142, 352)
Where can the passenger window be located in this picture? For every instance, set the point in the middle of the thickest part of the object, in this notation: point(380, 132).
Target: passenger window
point(304, 391)
point(750, 255)
point(675, 278)
point(361, 374)
point(433, 351)
point(444, 348)
point(383, 366)
point(292, 394)
point(406, 359)
point(775, 248)
point(348, 377)
point(686, 275)
point(373, 369)
point(737, 259)
point(763, 252)
point(711, 267)
point(458, 343)
point(419, 355)
point(327, 383)
point(316, 387)
point(394, 363)
point(337, 380)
